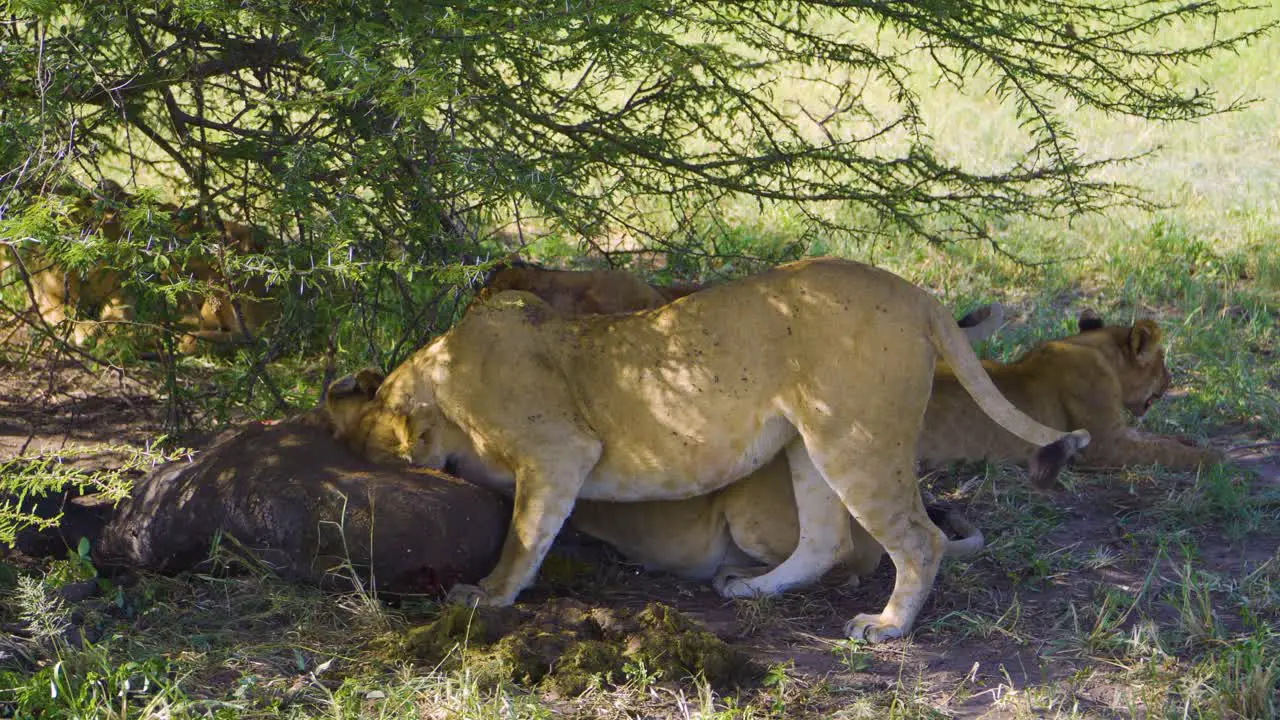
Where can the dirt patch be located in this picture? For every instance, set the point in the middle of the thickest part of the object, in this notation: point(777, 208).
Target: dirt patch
point(58, 405)
point(1263, 460)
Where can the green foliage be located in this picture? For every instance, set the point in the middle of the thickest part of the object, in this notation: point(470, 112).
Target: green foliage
point(1244, 678)
point(361, 132)
point(378, 151)
point(853, 654)
point(90, 684)
point(26, 478)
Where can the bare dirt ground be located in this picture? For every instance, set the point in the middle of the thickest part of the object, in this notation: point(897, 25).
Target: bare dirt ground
point(961, 671)
point(59, 406)
point(1020, 628)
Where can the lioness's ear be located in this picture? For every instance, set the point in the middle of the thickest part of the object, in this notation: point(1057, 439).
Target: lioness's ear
point(1090, 320)
point(364, 383)
point(347, 397)
point(514, 260)
point(1144, 340)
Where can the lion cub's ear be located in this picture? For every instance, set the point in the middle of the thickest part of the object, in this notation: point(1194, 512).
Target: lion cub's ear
point(1090, 320)
point(1144, 341)
point(347, 396)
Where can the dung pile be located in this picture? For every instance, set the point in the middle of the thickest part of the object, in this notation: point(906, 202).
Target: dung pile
point(565, 646)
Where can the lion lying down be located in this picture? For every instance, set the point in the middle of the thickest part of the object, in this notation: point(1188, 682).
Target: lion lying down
point(829, 360)
point(59, 294)
point(574, 293)
point(1086, 380)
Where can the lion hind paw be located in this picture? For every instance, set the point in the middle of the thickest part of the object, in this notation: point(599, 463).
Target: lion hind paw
point(872, 629)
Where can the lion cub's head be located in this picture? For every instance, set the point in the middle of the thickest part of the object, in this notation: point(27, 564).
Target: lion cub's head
point(392, 420)
point(1138, 357)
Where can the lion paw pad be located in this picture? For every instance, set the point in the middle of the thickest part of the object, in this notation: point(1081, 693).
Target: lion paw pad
point(734, 586)
point(871, 628)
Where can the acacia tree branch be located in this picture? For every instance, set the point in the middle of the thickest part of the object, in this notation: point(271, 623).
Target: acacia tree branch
point(381, 145)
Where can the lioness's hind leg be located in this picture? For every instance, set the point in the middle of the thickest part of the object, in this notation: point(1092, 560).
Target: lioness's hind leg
point(824, 533)
point(881, 492)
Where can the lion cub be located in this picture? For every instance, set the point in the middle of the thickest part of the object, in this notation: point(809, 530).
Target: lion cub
point(1091, 380)
point(59, 294)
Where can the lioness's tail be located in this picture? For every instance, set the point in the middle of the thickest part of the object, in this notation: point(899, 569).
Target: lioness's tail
point(1055, 446)
point(951, 522)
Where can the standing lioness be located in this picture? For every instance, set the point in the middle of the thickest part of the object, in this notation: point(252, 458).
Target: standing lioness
point(828, 359)
point(1086, 380)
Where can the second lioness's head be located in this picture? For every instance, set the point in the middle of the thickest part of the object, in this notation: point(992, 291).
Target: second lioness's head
point(388, 420)
point(360, 421)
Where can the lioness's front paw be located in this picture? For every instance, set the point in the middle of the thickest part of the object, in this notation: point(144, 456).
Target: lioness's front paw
point(851, 581)
point(734, 583)
point(870, 628)
point(467, 595)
